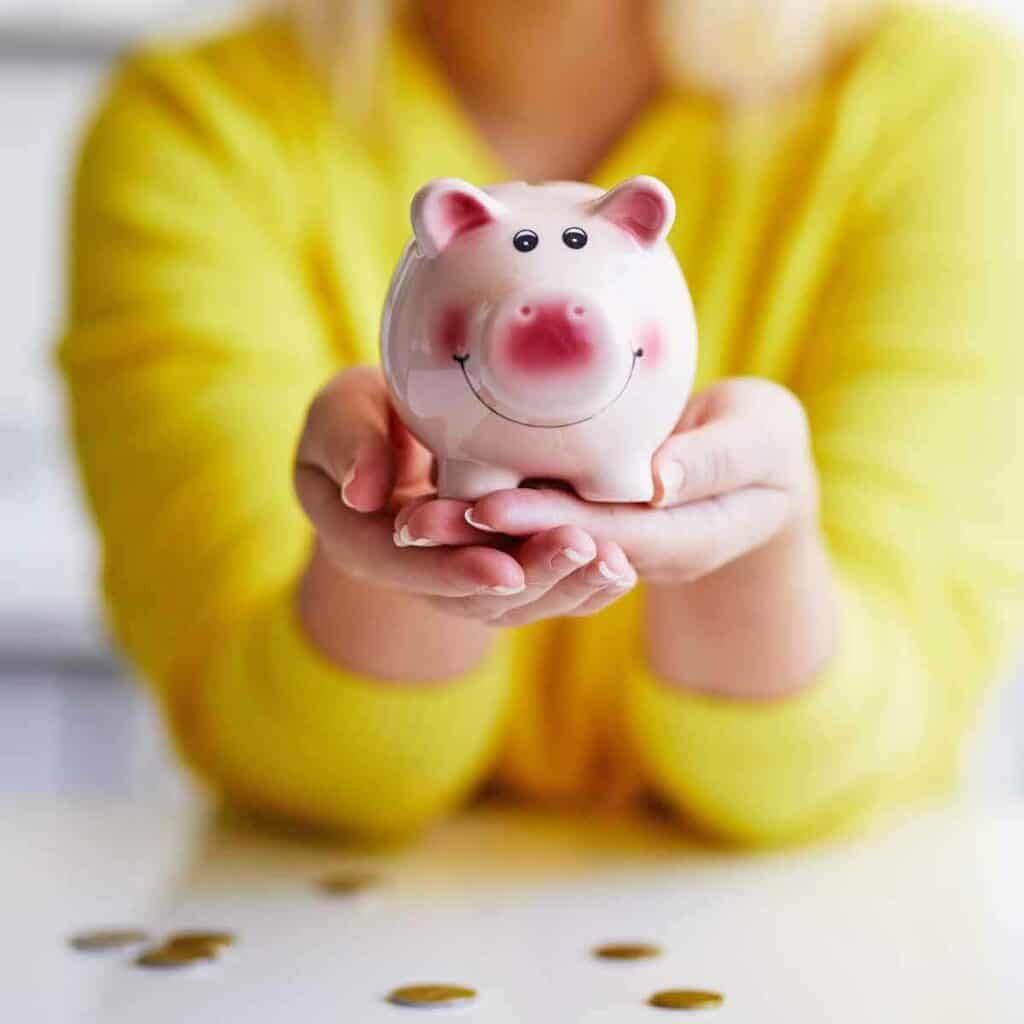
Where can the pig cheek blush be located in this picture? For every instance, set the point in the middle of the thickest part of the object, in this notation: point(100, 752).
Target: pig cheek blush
point(651, 348)
point(450, 336)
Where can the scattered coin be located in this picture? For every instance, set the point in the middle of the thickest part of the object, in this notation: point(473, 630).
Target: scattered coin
point(200, 941)
point(348, 883)
point(686, 999)
point(432, 995)
point(171, 957)
point(627, 951)
point(104, 939)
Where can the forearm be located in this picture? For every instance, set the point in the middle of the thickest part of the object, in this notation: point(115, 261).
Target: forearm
point(383, 633)
point(870, 735)
point(783, 711)
point(760, 627)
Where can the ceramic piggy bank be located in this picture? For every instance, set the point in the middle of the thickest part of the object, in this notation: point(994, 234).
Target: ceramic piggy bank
point(540, 331)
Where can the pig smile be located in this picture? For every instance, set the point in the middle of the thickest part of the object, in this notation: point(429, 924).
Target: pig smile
point(463, 359)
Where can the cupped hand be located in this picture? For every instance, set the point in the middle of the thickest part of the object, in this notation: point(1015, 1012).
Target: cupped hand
point(736, 472)
point(357, 466)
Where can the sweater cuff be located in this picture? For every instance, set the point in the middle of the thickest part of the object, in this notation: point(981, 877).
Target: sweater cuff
point(820, 761)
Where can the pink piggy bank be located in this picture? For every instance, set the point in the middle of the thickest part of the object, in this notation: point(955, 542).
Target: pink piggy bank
point(540, 331)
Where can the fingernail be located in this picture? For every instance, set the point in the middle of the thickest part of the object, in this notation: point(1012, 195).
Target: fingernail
point(671, 477)
point(610, 574)
point(345, 484)
point(506, 591)
point(403, 513)
point(574, 556)
point(468, 516)
point(398, 539)
point(409, 541)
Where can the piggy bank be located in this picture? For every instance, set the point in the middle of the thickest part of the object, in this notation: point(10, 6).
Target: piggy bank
point(540, 331)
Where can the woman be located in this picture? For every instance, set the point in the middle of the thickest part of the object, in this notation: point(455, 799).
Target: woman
point(832, 572)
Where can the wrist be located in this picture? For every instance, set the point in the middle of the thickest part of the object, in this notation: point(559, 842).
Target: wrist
point(759, 628)
point(383, 633)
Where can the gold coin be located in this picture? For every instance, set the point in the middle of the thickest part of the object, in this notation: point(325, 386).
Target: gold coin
point(348, 883)
point(168, 956)
point(627, 951)
point(685, 999)
point(432, 995)
point(107, 938)
point(214, 941)
point(186, 947)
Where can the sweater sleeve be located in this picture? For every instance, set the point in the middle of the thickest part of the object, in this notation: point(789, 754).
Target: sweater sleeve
point(196, 338)
point(911, 377)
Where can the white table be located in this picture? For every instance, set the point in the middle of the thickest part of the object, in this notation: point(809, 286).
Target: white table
point(922, 924)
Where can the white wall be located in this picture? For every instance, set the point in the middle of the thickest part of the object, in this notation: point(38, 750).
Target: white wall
point(45, 547)
point(46, 550)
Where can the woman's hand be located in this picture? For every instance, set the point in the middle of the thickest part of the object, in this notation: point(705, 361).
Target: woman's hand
point(742, 601)
point(356, 464)
point(352, 459)
point(736, 473)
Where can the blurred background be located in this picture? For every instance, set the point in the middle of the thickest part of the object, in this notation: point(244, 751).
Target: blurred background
point(72, 720)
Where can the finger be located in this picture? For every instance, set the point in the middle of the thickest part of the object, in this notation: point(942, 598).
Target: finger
point(601, 600)
point(609, 574)
point(749, 440)
point(346, 439)
point(429, 523)
point(370, 478)
point(362, 546)
point(714, 459)
point(526, 510)
point(546, 559)
point(400, 536)
point(682, 542)
point(714, 531)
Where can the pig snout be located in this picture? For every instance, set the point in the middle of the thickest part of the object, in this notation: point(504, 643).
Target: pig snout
point(550, 337)
point(550, 358)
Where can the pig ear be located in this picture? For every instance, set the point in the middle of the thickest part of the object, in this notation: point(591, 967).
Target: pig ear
point(446, 208)
point(643, 207)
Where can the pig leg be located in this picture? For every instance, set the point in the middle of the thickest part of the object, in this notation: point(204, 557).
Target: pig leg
point(467, 481)
point(630, 481)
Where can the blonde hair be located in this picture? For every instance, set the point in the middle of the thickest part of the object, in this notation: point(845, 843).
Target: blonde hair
point(734, 49)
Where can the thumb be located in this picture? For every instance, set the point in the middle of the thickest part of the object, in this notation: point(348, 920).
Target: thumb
point(346, 439)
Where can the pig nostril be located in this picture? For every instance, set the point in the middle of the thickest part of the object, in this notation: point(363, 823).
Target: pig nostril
point(526, 311)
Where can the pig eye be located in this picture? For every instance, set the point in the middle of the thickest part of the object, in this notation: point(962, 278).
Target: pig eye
point(575, 238)
point(526, 240)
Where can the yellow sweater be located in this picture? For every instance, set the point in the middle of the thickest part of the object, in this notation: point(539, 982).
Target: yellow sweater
point(861, 243)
